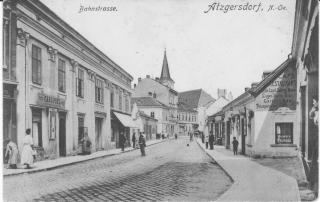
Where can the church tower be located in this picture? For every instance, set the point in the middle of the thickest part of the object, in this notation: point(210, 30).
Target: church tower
point(165, 78)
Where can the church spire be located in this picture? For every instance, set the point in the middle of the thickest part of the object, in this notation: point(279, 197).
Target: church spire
point(165, 74)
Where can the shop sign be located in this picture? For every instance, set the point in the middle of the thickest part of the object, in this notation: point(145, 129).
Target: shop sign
point(50, 101)
point(280, 93)
point(284, 139)
point(218, 118)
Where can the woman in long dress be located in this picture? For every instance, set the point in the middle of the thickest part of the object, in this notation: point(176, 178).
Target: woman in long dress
point(27, 152)
point(12, 152)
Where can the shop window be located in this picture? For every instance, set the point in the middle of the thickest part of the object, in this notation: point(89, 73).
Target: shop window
point(284, 133)
point(61, 75)
point(36, 64)
point(99, 91)
point(80, 83)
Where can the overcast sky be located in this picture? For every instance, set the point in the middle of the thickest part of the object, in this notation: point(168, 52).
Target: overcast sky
point(204, 50)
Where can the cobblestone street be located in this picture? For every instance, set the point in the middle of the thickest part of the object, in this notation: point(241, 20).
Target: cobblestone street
point(170, 171)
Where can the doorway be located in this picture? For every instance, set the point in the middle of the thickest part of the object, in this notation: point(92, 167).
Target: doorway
point(62, 134)
point(98, 133)
point(37, 127)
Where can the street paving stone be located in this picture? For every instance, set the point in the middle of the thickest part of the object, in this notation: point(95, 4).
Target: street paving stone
point(171, 171)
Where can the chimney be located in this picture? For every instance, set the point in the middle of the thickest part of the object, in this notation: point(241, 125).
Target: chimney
point(254, 84)
point(222, 93)
point(157, 79)
point(148, 76)
point(230, 97)
point(139, 79)
point(265, 74)
point(154, 95)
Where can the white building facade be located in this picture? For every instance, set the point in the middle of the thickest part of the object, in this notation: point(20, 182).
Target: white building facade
point(58, 82)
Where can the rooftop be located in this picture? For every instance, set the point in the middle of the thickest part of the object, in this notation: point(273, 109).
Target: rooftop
point(195, 98)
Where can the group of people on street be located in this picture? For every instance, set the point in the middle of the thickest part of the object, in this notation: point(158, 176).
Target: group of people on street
point(209, 139)
point(27, 154)
point(141, 142)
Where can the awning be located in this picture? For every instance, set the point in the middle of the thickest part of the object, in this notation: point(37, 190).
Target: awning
point(126, 120)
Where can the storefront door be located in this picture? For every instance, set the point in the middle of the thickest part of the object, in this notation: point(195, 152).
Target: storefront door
point(62, 134)
point(37, 127)
point(98, 131)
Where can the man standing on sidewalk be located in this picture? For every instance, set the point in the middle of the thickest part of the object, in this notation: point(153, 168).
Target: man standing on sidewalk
point(142, 144)
point(134, 140)
point(122, 140)
point(211, 141)
point(235, 144)
point(206, 139)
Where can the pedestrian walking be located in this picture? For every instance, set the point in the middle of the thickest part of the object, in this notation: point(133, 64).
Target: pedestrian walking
point(12, 154)
point(134, 140)
point(206, 139)
point(175, 136)
point(211, 141)
point(27, 151)
point(235, 144)
point(142, 145)
point(122, 141)
point(191, 137)
point(202, 138)
point(86, 144)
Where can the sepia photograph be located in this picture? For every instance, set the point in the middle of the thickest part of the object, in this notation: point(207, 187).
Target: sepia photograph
point(171, 100)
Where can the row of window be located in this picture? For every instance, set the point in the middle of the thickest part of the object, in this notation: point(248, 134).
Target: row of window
point(120, 103)
point(187, 117)
point(99, 83)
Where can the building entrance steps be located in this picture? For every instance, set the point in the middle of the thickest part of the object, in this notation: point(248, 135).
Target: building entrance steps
point(252, 181)
point(69, 160)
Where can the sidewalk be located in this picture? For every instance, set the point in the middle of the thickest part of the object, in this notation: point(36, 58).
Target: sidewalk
point(252, 181)
point(69, 160)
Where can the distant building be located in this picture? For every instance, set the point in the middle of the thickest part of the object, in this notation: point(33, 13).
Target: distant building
point(187, 118)
point(145, 123)
point(216, 126)
point(155, 109)
point(162, 92)
point(197, 100)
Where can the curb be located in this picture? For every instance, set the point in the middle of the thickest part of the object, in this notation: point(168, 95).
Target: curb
point(72, 163)
point(232, 180)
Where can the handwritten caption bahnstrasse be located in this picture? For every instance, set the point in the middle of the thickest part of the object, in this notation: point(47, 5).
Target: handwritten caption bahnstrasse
point(256, 7)
point(84, 9)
